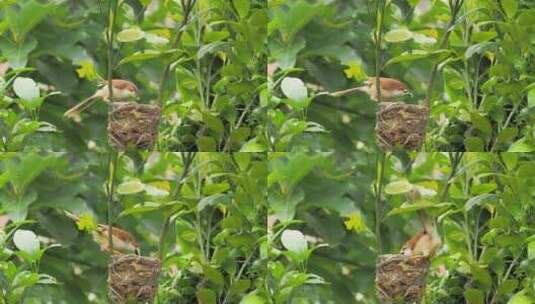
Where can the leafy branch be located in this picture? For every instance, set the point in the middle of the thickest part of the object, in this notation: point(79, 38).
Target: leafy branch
point(455, 8)
point(187, 160)
point(187, 8)
point(379, 206)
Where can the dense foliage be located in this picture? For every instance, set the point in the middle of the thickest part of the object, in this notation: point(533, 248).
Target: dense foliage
point(205, 66)
point(210, 247)
point(481, 98)
point(483, 204)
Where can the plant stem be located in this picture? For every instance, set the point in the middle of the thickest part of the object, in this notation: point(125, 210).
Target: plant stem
point(187, 160)
point(380, 12)
point(455, 160)
point(187, 8)
point(239, 274)
point(112, 170)
point(381, 163)
point(112, 16)
point(455, 8)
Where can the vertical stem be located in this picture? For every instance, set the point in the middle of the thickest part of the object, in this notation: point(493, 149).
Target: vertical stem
point(112, 170)
point(112, 16)
point(381, 163)
point(380, 11)
point(187, 159)
point(187, 8)
point(455, 7)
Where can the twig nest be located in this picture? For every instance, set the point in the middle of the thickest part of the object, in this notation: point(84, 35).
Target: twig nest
point(133, 125)
point(132, 278)
point(400, 125)
point(401, 278)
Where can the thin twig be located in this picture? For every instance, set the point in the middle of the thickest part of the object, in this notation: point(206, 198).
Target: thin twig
point(454, 9)
point(187, 160)
point(187, 8)
point(380, 166)
point(381, 4)
point(112, 172)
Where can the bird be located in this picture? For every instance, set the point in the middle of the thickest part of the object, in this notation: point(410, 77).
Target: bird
point(123, 241)
point(426, 242)
point(122, 90)
point(391, 89)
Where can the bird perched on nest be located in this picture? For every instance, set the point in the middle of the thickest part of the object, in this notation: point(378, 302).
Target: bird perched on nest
point(427, 241)
point(122, 90)
point(123, 241)
point(391, 89)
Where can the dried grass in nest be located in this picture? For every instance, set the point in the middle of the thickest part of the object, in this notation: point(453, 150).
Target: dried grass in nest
point(400, 125)
point(132, 278)
point(133, 125)
point(401, 278)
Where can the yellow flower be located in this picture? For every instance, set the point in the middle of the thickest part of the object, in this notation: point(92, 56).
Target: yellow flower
point(86, 222)
point(86, 70)
point(355, 222)
point(355, 71)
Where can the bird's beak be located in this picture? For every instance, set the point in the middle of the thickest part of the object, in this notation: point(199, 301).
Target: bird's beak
point(409, 93)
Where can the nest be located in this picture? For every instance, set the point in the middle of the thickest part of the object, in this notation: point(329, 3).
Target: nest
point(133, 125)
point(401, 278)
point(400, 125)
point(132, 279)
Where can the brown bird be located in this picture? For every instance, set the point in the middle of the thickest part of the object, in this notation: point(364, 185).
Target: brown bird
point(122, 90)
point(391, 89)
point(123, 241)
point(426, 242)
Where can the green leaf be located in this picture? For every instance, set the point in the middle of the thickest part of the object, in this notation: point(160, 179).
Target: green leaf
point(28, 16)
point(294, 241)
point(481, 275)
point(252, 299)
point(521, 146)
point(510, 7)
point(482, 123)
point(483, 36)
point(398, 35)
point(242, 7)
point(294, 88)
point(211, 200)
point(521, 298)
point(531, 250)
point(478, 200)
point(26, 241)
point(206, 296)
point(477, 189)
point(130, 187)
point(510, 160)
point(474, 144)
point(239, 287)
point(144, 55)
point(131, 34)
point(506, 135)
point(479, 48)
point(213, 275)
point(206, 144)
point(17, 55)
point(253, 146)
point(411, 207)
point(414, 55)
point(531, 98)
point(25, 88)
point(213, 123)
point(474, 296)
point(398, 187)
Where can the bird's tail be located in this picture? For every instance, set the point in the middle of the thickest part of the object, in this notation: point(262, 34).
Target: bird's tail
point(349, 91)
point(74, 112)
